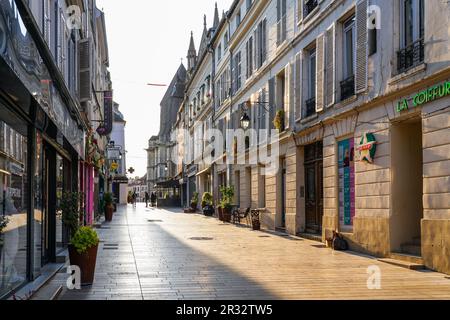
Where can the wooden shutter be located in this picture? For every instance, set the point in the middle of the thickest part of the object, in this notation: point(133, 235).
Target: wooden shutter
point(320, 68)
point(279, 21)
point(330, 69)
point(84, 66)
point(263, 42)
point(284, 20)
point(272, 103)
point(47, 22)
point(289, 94)
point(298, 86)
point(361, 46)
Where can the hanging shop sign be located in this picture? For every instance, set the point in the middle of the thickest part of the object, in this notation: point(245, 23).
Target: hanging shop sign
point(106, 128)
point(367, 147)
point(114, 166)
point(431, 94)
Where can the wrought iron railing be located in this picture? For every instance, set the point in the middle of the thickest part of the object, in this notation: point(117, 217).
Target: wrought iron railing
point(310, 107)
point(411, 56)
point(348, 88)
point(308, 7)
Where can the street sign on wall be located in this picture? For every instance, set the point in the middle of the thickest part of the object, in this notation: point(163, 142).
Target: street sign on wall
point(106, 128)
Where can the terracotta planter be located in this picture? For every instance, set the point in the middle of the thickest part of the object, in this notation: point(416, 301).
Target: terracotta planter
point(226, 215)
point(109, 212)
point(220, 211)
point(86, 262)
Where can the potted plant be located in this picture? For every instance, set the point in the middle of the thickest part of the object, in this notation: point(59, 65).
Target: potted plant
point(83, 253)
point(3, 224)
point(226, 202)
point(278, 121)
point(194, 201)
point(109, 206)
point(207, 204)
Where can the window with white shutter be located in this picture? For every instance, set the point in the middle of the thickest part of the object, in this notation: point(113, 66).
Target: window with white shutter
point(84, 58)
point(349, 62)
point(281, 21)
point(330, 69)
point(361, 46)
point(298, 86)
point(320, 72)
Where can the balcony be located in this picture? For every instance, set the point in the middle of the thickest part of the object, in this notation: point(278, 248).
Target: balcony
point(308, 7)
point(411, 56)
point(348, 88)
point(310, 107)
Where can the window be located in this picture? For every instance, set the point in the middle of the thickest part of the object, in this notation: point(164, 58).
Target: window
point(237, 72)
point(219, 53)
point(311, 100)
point(225, 41)
point(349, 63)
point(249, 57)
point(412, 32)
point(249, 5)
point(262, 114)
point(238, 18)
point(260, 44)
point(308, 7)
point(281, 21)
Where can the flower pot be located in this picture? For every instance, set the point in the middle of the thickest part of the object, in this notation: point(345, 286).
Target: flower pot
point(86, 262)
point(109, 212)
point(194, 207)
point(208, 211)
point(226, 215)
point(220, 211)
point(256, 225)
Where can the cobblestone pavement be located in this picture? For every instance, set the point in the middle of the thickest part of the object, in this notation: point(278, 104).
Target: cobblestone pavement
point(161, 254)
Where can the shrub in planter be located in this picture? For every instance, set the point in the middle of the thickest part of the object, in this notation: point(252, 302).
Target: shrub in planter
point(70, 208)
point(194, 201)
point(83, 253)
point(109, 206)
point(207, 204)
point(226, 202)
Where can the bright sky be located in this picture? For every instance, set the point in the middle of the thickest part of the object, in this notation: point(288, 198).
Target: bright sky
point(147, 40)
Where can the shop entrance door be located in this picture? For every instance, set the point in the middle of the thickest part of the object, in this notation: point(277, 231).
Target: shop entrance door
point(314, 187)
point(49, 198)
point(407, 187)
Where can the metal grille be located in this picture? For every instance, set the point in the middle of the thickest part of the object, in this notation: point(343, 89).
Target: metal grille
point(310, 107)
point(347, 88)
point(411, 56)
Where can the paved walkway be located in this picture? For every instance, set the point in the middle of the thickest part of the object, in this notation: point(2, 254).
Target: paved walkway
point(159, 254)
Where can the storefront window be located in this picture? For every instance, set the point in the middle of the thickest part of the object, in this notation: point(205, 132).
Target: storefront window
point(14, 189)
point(59, 195)
point(346, 185)
point(38, 205)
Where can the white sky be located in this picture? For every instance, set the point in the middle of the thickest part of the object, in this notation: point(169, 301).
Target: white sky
point(147, 40)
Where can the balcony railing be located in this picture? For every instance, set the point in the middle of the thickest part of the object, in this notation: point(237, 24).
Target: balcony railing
point(411, 56)
point(308, 7)
point(310, 107)
point(348, 88)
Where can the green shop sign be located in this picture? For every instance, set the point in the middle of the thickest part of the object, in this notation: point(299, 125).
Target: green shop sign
point(425, 96)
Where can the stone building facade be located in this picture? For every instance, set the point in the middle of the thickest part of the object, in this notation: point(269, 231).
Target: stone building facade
point(363, 87)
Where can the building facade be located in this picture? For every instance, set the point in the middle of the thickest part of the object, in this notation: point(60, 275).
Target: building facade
point(48, 123)
point(359, 90)
point(161, 166)
point(118, 153)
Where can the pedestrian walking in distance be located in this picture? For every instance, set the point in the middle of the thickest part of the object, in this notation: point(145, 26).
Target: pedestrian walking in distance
point(153, 199)
point(147, 198)
point(134, 199)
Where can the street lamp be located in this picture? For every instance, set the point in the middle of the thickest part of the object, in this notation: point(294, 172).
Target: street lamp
point(245, 121)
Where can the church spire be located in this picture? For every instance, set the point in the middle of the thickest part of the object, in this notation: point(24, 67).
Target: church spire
point(192, 54)
point(216, 17)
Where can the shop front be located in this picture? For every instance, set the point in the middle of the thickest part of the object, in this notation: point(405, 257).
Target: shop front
point(40, 145)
